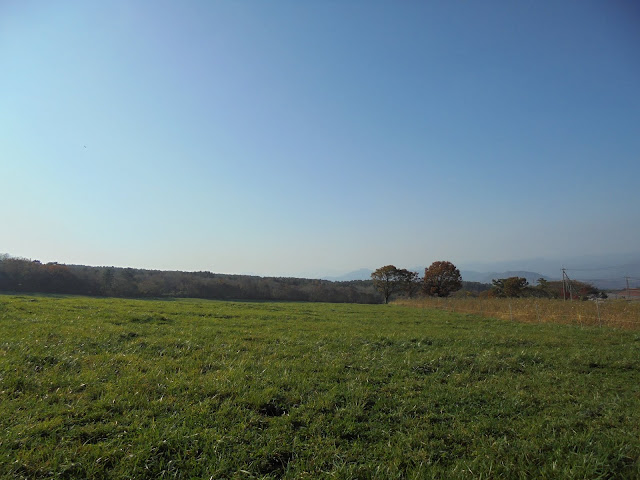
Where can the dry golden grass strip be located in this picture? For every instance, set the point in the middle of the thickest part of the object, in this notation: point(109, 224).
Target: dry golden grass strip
point(609, 313)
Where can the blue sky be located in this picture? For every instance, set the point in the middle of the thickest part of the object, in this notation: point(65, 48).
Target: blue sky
point(308, 138)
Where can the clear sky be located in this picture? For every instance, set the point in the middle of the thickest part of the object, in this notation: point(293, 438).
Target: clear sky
point(314, 137)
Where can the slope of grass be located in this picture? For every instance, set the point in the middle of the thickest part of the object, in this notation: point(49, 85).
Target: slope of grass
point(111, 388)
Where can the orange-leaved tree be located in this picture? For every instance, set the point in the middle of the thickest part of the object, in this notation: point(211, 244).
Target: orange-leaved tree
point(441, 279)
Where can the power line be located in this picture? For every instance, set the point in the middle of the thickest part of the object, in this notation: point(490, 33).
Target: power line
point(595, 269)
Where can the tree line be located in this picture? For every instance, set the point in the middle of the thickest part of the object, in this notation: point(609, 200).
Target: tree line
point(443, 279)
point(440, 279)
point(32, 276)
point(518, 287)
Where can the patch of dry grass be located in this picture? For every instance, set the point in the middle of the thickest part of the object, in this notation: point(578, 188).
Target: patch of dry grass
point(610, 313)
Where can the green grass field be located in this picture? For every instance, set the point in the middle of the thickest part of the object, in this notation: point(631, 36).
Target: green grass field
point(112, 388)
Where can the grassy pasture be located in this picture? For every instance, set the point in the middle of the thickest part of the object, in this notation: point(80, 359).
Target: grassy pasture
point(113, 388)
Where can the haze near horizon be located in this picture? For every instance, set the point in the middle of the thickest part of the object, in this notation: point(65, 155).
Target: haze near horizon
point(288, 137)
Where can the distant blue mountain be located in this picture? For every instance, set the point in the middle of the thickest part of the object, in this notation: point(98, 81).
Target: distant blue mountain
point(362, 274)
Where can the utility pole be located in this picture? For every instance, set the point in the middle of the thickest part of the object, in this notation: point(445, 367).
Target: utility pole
point(628, 291)
point(570, 289)
point(566, 283)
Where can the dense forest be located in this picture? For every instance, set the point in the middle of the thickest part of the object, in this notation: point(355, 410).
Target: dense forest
point(23, 275)
point(32, 276)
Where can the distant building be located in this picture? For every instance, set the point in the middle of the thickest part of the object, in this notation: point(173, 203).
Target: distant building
point(624, 294)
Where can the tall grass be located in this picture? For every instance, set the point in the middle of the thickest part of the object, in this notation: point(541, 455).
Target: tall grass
point(611, 313)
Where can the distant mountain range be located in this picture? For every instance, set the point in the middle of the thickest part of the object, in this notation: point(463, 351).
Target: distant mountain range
point(604, 271)
point(362, 274)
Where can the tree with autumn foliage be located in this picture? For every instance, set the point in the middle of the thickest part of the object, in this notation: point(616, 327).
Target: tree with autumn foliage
point(441, 279)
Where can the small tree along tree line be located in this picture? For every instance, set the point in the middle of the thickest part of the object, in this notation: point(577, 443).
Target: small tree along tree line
point(385, 281)
point(510, 287)
point(409, 282)
point(389, 280)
